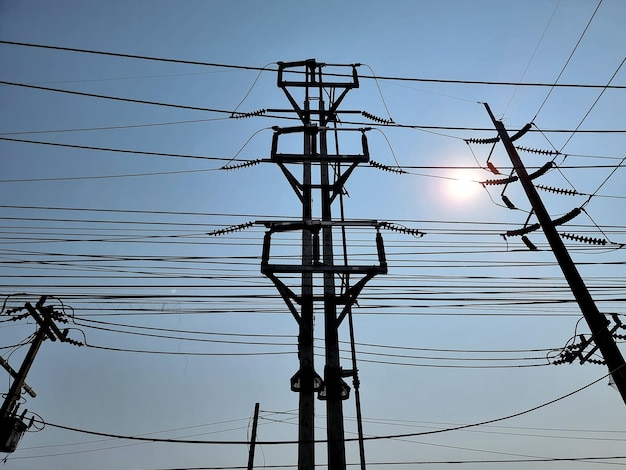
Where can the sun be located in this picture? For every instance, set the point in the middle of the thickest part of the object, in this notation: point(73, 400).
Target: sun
point(462, 186)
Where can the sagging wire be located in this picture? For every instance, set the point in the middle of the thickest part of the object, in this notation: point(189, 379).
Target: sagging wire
point(532, 56)
point(473, 154)
point(390, 148)
point(263, 69)
point(594, 103)
point(382, 98)
point(608, 240)
point(223, 167)
point(605, 180)
point(6, 300)
point(554, 150)
point(568, 60)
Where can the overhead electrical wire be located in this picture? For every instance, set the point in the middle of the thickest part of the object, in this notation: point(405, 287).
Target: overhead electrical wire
point(230, 113)
point(591, 459)
point(108, 128)
point(532, 56)
point(99, 177)
point(116, 98)
point(253, 68)
point(291, 442)
point(256, 335)
point(580, 38)
point(116, 150)
point(361, 351)
point(593, 104)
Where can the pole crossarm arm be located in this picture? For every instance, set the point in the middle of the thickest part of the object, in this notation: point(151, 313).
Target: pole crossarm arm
point(352, 293)
point(14, 374)
point(286, 293)
point(318, 266)
point(43, 316)
point(317, 156)
point(313, 78)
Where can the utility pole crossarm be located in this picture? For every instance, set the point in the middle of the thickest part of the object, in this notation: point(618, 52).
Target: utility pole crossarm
point(598, 323)
point(13, 374)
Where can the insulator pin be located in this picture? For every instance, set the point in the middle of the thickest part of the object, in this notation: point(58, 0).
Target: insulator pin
point(376, 118)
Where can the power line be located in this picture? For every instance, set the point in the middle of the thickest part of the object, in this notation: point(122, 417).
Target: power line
point(116, 98)
point(117, 150)
point(131, 56)
point(291, 442)
point(247, 67)
point(568, 61)
point(108, 128)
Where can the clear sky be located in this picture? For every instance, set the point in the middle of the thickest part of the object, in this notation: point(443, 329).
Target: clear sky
point(184, 334)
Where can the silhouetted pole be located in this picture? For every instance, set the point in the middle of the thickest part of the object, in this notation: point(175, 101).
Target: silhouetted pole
point(357, 392)
point(8, 406)
point(332, 370)
point(13, 374)
point(317, 250)
point(255, 421)
point(306, 416)
point(598, 324)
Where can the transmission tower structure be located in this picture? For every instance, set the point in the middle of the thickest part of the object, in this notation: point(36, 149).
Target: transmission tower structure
point(311, 277)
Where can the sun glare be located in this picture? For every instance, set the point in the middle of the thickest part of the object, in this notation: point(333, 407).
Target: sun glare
point(462, 187)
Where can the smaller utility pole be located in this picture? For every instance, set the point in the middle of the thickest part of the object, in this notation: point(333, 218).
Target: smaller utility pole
point(598, 324)
point(255, 421)
point(11, 425)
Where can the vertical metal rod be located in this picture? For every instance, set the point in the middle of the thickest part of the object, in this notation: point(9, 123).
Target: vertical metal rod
point(332, 370)
point(355, 374)
point(255, 422)
point(357, 392)
point(306, 428)
point(598, 324)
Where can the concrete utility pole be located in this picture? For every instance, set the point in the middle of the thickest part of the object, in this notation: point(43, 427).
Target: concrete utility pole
point(309, 80)
point(11, 426)
point(598, 324)
point(255, 422)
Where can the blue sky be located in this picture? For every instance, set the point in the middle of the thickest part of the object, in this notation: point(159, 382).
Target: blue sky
point(122, 237)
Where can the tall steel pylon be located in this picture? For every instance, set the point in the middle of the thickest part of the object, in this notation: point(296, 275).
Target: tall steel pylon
point(316, 277)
